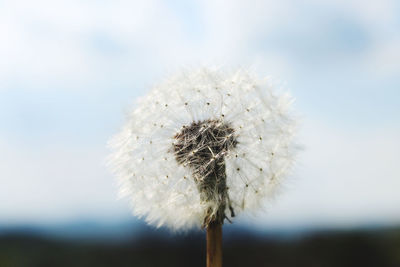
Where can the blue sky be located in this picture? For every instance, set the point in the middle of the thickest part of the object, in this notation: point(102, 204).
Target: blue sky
point(69, 70)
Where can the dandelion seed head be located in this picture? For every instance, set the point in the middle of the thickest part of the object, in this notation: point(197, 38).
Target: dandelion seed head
point(204, 146)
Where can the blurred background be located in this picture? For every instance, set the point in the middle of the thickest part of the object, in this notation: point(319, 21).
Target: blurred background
point(69, 71)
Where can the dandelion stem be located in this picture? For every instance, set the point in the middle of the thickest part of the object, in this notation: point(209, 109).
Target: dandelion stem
point(214, 245)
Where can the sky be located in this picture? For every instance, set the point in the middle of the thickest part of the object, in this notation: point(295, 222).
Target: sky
point(70, 70)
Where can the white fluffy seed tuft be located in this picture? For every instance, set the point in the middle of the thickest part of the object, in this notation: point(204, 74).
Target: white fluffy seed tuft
point(256, 151)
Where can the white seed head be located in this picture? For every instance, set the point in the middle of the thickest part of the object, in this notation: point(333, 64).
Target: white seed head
point(204, 146)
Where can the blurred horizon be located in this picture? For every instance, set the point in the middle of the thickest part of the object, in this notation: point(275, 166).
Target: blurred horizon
point(357, 247)
point(70, 70)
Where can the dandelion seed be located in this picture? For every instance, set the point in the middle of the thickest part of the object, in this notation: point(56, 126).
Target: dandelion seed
point(217, 167)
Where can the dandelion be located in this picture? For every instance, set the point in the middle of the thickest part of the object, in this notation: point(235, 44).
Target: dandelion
point(203, 147)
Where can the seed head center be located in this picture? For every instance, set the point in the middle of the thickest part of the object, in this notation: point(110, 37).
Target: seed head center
point(201, 146)
point(201, 143)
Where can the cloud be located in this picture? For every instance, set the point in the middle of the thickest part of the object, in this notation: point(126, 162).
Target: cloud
point(55, 182)
point(68, 68)
point(51, 43)
point(385, 59)
point(343, 178)
point(46, 43)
